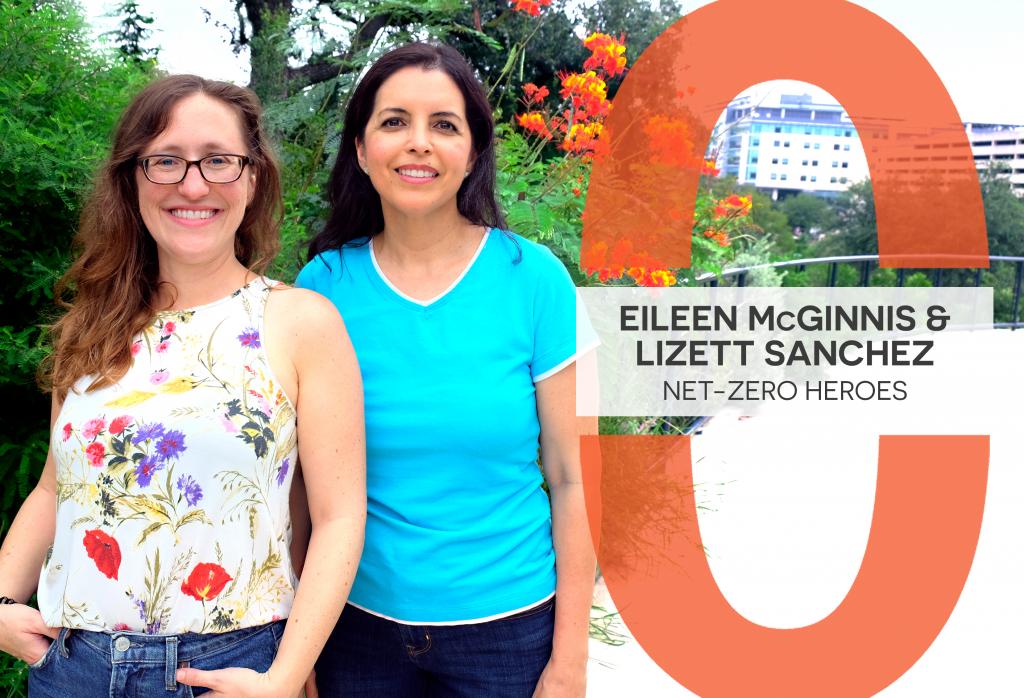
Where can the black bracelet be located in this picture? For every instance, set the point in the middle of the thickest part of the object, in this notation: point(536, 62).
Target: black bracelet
point(6, 600)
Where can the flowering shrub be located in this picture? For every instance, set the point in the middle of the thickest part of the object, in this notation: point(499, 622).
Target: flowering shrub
point(547, 154)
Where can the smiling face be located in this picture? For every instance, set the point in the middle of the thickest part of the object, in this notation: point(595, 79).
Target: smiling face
point(194, 221)
point(417, 144)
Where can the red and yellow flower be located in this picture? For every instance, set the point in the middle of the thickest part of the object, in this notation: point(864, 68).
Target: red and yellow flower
point(534, 122)
point(607, 54)
point(206, 581)
point(530, 7)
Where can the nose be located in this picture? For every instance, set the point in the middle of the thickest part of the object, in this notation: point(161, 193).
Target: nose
point(419, 138)
point(193, 186)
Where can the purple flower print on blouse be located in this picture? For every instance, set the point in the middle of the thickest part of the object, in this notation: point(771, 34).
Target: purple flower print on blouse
point(145, 469)
point(282, 472)
point(148, 431)
point(250, 338)
point(190, 488)
point(171, 445)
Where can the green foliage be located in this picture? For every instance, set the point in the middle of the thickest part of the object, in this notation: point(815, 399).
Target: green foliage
point(59, 99)
point(132, 32)
point(809, 213)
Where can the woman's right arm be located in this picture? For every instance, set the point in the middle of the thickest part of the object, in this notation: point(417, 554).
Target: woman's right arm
point(22, 630)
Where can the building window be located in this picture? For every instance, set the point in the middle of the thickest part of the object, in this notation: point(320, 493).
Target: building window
point(783, 177)
point(756, 141)
point(817, 146)
point(835, 147)
point(804, 163)
point(848, 133)
point(807, 145)
point(752, 174)
point(778, 129)
point(807, 131)
point(845, 165)
point(814, 163)
point(753, 160)
point(785, 144)
point(803, 178)
point(775, 161)
point(842, 180)
point(813, 178)
point(835, 163)
point(785, 161)
point(846, 147)
point(833, 180)
point(776, 144)
point(774, 176)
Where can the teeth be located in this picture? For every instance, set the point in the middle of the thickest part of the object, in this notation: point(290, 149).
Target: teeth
point(417, 173)
point(190, 214)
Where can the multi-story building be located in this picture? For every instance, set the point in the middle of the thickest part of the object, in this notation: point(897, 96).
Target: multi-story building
point(999, 144)
point(793, 144)
point(790, 144)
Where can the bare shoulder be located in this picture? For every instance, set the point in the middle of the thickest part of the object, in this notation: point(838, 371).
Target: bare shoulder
point(301, 311)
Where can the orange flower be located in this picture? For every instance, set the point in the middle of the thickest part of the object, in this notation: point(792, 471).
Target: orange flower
point(535, 94)
point(709, 169)
point(607, 54)
point(733, 206)
point(588, 92)
point(670, 142)
point(576, 191)
point(581, 137)
point(530, 7)
point(722, 239)
point(533, 122)
point(661, 277)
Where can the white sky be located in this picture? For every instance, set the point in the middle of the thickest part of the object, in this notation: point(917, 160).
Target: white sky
point(975, 47)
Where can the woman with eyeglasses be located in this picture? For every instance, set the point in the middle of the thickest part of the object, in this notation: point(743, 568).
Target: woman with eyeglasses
point(186, 389)
point(473, 582)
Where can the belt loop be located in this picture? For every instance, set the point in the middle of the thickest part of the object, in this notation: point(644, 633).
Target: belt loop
point(62, 641)
point(171, 665)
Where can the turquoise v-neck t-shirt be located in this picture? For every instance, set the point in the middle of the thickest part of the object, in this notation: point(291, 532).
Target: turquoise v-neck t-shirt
point(458, 527)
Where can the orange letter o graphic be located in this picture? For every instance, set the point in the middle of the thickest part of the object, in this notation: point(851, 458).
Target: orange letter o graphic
point(930, 492)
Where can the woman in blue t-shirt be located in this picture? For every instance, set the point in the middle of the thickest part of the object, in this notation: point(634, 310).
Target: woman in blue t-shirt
point(465, 335)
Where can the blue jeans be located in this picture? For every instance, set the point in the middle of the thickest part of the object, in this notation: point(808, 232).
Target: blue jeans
point(92, 664)
point(367, 655)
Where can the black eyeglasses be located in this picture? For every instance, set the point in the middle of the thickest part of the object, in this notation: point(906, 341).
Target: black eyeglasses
point(215, 169)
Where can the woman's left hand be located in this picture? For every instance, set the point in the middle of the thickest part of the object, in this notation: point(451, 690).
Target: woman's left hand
point(235, 682)
point(562, 680)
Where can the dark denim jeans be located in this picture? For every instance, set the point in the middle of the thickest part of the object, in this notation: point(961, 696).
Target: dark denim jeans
point(367, 655)
point(92, 665)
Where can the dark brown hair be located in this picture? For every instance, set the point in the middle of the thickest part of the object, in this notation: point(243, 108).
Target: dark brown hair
point(110, 288)
point(355, 205)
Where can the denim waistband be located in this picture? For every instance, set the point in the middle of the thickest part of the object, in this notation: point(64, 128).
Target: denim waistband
point(171, 651)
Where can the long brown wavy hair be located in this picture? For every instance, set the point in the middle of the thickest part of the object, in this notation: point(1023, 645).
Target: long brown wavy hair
point(110, 289)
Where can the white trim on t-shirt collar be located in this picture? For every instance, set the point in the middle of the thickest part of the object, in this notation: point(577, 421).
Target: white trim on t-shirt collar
point(386, 280)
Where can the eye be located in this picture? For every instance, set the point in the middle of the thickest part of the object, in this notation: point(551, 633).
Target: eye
point(163, 163)
point(392, 122)
point(217, 161)
point(447, 126)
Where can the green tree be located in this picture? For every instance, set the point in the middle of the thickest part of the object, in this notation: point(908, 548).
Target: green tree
point(59, 99)
point(809, 213)
point(132, 33)
point(1004, 214)
point(856, 225)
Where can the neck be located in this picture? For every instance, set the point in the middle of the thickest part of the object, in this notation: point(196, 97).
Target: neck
point(422, 242)
point(185, 285)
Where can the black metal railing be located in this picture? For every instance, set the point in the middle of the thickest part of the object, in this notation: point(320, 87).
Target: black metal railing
point(865, 263)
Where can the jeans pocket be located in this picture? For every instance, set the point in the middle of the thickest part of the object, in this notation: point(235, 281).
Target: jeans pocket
point(42, 661)
point(256, 652)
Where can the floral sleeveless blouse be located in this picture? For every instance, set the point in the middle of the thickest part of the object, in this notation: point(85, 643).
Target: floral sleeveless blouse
point(172, 485)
